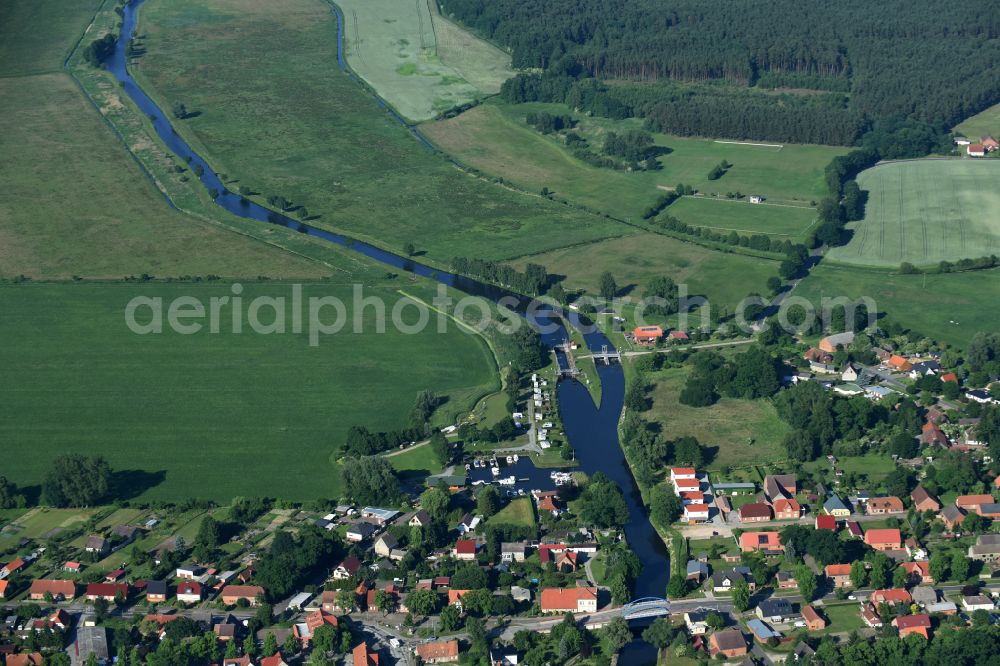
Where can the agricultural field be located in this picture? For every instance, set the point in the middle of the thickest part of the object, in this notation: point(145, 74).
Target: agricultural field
point(983, 123)
point(745, 432)
point(924, 212)
point(309, 133)
point(725, 279)
point(211, 415)
point(946, 307)
point(494, 138)
point(724, 215)
point(394, 46)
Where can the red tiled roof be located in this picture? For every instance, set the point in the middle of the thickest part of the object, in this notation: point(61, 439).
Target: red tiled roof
point(439, 650)
point(465, 547)
point(838, 570)
point(556, 598)
point(825, 522)
point(881, 536)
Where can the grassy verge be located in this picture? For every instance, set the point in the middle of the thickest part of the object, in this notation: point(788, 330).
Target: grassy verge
point(519, 512)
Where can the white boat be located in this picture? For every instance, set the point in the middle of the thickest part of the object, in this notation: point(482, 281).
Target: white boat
point(507, 481)
point(467, 467)
point(520, 491)
point(515, 457)
point(495, 470)
point(510, 460)
point(475, 462)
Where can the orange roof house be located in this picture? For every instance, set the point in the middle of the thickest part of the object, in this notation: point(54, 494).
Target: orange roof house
point(892, 596)
point(913, 624)
point(765, 541)
point(919, 572)
point(839, 574)
point(363, 656)
point(59, 589)
point(647, 335)
point(571, 599)
point(924, 501)
point(785, 509)
point(884, 505)
point(438, 651)
point(884, 539)
point(814, 621)
point(950, 377)
point(25, 659)
point(899, 364)
point(231, 594)
point(456, 595)
point(973, 502)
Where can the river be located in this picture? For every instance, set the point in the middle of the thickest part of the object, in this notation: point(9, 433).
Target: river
point(592, 429)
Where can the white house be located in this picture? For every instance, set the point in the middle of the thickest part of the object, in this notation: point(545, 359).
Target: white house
point(756, 199)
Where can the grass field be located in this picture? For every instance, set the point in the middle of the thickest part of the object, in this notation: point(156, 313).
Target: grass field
point(947, 307)
point(519, 512)
point(746, 432)
point(725, 279)
point(210, 415)
point(985, 122)
point(724, 215)
point(926, 211)
point(493, 137)
point(392, 45)
point(480, 63)
point(301, 129)
point(36, 35)
point(415, 461)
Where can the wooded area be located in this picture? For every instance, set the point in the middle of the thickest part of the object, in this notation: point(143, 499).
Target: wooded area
point(696, 62)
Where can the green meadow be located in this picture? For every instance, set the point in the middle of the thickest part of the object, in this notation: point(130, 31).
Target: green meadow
point(723, 215)
point(212, 415)
point(950, 307)
point(983, 123)
point(725, 279)
point(494, 138)
point(924, 212)
point(301, 129)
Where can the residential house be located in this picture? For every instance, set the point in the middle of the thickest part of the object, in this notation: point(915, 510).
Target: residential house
point(348, 568)
point(766, 542)
point(728, 642)
point(831, 343)
point(924, 595)
point(362, 655)
point(986, 548)
point(723, 581)
point(225, 631)
point(189, 571)
point(884, 539)
point(913, 624)
point(696, 513)
point(977, 602)
point(156, 591)
point(378, 515)
point(107, 591)
point(647, 335)
point(513, 551)
point(826, 522)
point(780, 486)
point(677, 473)
point(774, 609)
point(854, 528)
point(359, 531)
point(756, 512)
point(98, 545)
point(814, 621)
point(232, 594)
point(924, 501)
point(919, 572)
point(274, 660)
point(981, 396)
point(952, 516)
point(989, 143)
point(682, 486)
point(839, 574)
point(850, 373)
point(696, 622)
point(304, 630)
point(59, 590)
point(820, 362)
point(678, 336)
point(189, 592)
point(869, 615)
point(126, 534)
point(891, 596)
point(419, 519)
point(468, 524)
point(73, 567)
point(991, 511)
point(573, 600)
point(973, 502)
point(834, 506)
point(924, 369)
point(25, 659)
point(762, 631)
point(566, 561)
point(4, 584)
point(942, 608)
point(465, 549)
point(976, 150)
point(878, 506)
point(384, 545)
point(787, 509)
point(785, 580)
point(438, 652)
point(950, 377)
point(696, 571)
point(932, 435)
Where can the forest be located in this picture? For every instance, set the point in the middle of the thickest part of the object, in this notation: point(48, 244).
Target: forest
point(779, 70)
